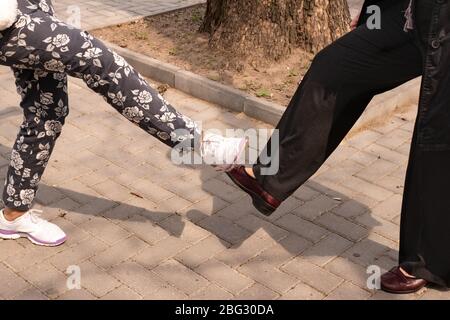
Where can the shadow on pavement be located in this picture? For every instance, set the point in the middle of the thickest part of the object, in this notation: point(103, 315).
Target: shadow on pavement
point(230, 217)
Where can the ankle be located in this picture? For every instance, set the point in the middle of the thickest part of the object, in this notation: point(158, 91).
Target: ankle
point(11, 214)
point(406, 273)
point(250, 172)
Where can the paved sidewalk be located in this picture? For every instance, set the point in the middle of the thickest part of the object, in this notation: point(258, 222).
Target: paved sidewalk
point(142, 228)
point(102, 13)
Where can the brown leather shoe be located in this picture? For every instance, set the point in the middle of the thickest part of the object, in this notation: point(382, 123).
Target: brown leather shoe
point(263, 201)
point(395, 281)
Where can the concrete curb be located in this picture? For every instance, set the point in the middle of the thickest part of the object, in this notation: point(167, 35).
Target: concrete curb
point(202, 88)
point(236, 100)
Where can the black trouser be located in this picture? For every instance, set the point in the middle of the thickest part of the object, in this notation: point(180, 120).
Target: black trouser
point(341, 82)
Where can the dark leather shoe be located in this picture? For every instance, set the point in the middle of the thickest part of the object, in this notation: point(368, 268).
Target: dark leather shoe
point(263, 201)
point(395, 281)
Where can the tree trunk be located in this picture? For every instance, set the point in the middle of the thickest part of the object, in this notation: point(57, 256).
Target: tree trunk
point(271, 28)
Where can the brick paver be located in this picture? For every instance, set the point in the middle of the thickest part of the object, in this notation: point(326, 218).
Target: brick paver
point(101, 13)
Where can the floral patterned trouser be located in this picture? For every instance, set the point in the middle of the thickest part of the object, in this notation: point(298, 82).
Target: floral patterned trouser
point(42, 51)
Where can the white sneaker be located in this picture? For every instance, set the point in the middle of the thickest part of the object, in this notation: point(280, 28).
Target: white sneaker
point(222, 153)
point(33, 227)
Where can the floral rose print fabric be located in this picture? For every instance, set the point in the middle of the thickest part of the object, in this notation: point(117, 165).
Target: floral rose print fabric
point(42, 51)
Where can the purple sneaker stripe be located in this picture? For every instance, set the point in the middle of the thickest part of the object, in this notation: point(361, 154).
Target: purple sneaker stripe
point(8, 232)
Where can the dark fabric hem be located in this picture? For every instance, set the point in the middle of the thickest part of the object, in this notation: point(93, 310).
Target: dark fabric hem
point(420, 270)
point(262, 181)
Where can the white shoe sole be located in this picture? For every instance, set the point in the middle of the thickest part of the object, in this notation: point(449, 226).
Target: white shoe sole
point(11, 235)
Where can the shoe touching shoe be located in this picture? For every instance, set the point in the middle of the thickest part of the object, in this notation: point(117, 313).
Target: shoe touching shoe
point(33, 227)
point(221, 152)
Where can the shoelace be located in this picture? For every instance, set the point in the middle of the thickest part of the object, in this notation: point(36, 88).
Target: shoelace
point(210, 146)
point(35, 216)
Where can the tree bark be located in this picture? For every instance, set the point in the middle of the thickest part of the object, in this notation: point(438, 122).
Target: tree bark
point(270, 29)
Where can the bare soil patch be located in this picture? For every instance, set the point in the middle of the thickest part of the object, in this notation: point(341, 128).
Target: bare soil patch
point(174, 38)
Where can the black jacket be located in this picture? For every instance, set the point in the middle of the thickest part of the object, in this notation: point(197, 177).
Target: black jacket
point(433, 121)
